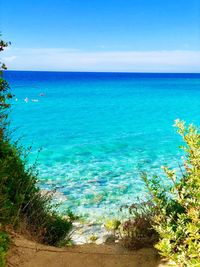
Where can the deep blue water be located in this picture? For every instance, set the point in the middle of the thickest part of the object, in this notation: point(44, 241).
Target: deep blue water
point(98, 131)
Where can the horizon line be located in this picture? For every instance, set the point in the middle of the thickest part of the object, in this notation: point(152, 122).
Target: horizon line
point(128, 72)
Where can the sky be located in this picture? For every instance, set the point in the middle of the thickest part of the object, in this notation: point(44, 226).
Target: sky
point(102, 35)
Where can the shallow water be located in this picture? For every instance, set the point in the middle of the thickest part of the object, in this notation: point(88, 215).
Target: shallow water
point(98, 131)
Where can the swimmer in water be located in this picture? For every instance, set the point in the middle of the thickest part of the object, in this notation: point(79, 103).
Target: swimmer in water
point(42, 94)
point(26, 99)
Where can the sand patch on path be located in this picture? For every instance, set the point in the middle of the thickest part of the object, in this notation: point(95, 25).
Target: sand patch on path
point(26, 253)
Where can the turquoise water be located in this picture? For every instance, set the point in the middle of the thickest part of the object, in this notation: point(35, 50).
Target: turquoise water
point(98, 131)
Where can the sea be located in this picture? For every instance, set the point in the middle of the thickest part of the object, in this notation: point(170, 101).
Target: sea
point(94, 134)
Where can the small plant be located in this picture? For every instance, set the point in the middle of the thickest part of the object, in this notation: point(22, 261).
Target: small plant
point(71, 216)
point(137, 232)
point(93, 238)
point(112, 225)
point(4, 245)
point(177, 220)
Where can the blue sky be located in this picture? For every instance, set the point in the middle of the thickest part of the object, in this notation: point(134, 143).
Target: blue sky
point(102, 35)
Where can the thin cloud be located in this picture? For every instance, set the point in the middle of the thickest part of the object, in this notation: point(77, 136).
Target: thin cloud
point(76, 60)
point(9, 59)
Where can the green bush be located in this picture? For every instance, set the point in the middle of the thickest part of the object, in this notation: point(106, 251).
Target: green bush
point(22, 204)
point(4, 245)
point(178, 204)
point(56, 228)
point(5, 95)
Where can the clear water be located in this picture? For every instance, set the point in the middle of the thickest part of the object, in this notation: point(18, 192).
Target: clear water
point(98, 131)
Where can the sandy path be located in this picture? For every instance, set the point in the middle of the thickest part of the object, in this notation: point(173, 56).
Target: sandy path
point(25, 253)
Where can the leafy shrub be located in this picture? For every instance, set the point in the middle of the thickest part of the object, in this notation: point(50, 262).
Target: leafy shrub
point(5, 95)
point(178, 219)
point(137, 232)
point(4, 245)
point(56, 229)
point(22, 201)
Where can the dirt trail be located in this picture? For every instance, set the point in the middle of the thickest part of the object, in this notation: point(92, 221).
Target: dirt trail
point(25, 253)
